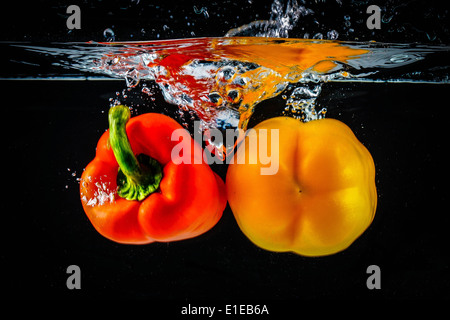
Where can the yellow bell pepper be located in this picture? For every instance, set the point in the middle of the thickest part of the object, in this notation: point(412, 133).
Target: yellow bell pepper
point(321, 198)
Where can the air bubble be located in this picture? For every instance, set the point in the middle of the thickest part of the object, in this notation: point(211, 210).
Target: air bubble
point(226, 73)
point(109, 35)
point(332, 35)
point(318, 36)
point(241, 82)
point(233, 95)
point(132, 78)
point(147, 91)
point(399, 58)
point(215, 98)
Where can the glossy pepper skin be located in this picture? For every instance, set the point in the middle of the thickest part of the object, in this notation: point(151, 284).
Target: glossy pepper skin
point(322, 198)
point(182, 201)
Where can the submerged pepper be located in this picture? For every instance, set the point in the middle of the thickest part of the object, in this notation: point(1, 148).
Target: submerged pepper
point(321, 198)
point(136, 192)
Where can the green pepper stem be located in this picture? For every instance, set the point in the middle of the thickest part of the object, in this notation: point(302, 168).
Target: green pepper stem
point(138, 176)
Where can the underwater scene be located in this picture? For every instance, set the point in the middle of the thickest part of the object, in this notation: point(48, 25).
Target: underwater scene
point(220, 158)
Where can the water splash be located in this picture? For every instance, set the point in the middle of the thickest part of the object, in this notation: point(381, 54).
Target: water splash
point(282, 20)
point(222, 80)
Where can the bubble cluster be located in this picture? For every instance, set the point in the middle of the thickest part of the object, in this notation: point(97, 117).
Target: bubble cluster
point(302, 103)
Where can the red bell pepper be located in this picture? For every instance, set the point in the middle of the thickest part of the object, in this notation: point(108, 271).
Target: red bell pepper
point(133, 192)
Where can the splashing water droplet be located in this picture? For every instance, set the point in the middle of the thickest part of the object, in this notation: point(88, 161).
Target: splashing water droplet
point(203, 10)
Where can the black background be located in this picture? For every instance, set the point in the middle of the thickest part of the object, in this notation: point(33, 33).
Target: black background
point(422, 21)
point(51, 129)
